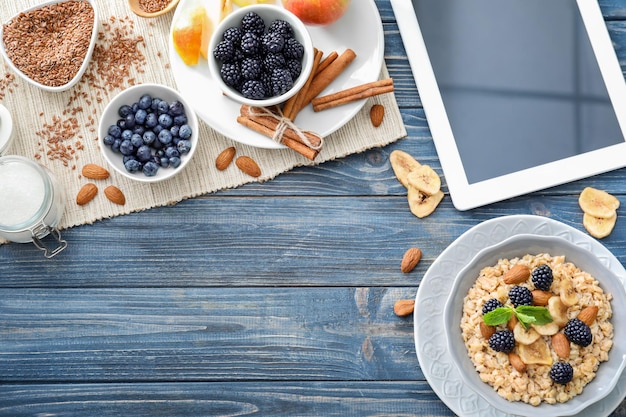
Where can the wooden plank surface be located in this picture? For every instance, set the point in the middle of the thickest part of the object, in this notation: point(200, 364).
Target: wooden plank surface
point(269, 299)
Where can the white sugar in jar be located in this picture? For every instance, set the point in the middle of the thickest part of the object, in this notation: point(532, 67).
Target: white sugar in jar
point(31, 204)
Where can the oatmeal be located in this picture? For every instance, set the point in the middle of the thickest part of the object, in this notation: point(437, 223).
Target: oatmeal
point(589, 344)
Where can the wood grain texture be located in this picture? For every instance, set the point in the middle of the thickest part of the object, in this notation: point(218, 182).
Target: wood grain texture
point(271, 299)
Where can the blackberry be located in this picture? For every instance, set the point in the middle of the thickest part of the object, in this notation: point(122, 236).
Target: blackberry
point(266, 80)
point(542, 277)
point(233, 34)
point(293, 49)
point(520, 296)
point(224, 51)
point(250, 68)
point(578, 332)
point(231, 73)
point(253, 89)
point(491, 305)
point(273, 42)
point(295, 68)
point(502, 341)
point(561, 372)
point(273, 61)
point(281, 81)
point(252, 22)
point(250, 44)
point(282, 27)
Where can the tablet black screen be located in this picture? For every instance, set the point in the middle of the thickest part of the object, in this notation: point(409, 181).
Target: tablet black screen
point(518, 80)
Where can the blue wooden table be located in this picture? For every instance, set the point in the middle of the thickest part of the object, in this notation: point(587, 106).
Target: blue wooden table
point(269, 299)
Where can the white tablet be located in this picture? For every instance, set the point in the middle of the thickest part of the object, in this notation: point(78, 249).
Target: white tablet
point(520, 95)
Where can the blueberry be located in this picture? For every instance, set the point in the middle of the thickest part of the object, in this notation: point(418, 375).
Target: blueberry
point(184, 146)
point(144, 153)
point(145, 101)
point(165, 120)
point(149, 137)
point(130, 121)
point(139, 129)
point(185, 132)
point(136, 140)
point(180, 120)
point(150, 169)
point(108, 140)
point(171, 151)
point(127, 148)
point(133, 165)
point(155, 103)
point(116, 145)
point(140, 116)
point(165, 137)
point(126, 134)
point(176, 108)
point(174, 131)
point(175, 161)
point(151, 120)
point(124, 110)
point(164, 162)
point(134, 107)
point(163, 106)
point(115, 131)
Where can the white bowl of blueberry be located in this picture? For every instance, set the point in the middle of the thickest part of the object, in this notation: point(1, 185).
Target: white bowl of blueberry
point(148, 132)
point(260, 55)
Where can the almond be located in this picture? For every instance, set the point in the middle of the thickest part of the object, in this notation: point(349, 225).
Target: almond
point(410, 260)
point(95, 172)
point(517, 274)
point(486, 330)
point(115, 195)
point(516, 362)
point(588, 315)
point(540, 298)
point(86, 194)
point(561, 346)
point(248, 166)
point(512, 323)
point(224, 159)
point(404, 307)
point(377, 114)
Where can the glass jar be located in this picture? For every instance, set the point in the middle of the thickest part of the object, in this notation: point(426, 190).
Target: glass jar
point(32, 202)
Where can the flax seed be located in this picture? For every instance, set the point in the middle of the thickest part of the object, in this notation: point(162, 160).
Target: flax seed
point(49, 44)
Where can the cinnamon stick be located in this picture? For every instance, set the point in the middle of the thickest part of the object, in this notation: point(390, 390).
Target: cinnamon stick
point(353, 94)
point(256, 125)
point(272, 122)
point(292, 104)
point(327, 61)
point(328, 75)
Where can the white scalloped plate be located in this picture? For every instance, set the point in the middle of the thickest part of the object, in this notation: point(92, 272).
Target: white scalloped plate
point(430, 338)
point(360, 29)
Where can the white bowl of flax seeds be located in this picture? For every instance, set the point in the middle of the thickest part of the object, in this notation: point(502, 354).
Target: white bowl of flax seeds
point(50, 45)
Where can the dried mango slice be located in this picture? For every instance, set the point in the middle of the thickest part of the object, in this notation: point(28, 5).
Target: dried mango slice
point(187, 35)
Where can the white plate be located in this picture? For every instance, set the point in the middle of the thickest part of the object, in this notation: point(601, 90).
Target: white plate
point(360, 29)
point(430, 339)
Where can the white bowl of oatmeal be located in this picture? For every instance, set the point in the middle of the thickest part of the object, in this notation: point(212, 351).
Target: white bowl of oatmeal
point(50, 45)
point(596, 367)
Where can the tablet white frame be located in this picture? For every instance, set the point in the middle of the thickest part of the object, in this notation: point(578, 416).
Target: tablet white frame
point(466, 196)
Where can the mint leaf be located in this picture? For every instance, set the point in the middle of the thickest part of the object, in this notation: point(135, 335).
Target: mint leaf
point(498, 316)
point(526, 315)
point(539, 315)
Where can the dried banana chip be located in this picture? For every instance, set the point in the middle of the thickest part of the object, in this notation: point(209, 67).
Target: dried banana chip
point(402, 164)
point(598, 203)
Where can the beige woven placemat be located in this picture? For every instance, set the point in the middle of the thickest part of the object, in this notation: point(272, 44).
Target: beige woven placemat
point(60, 129)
